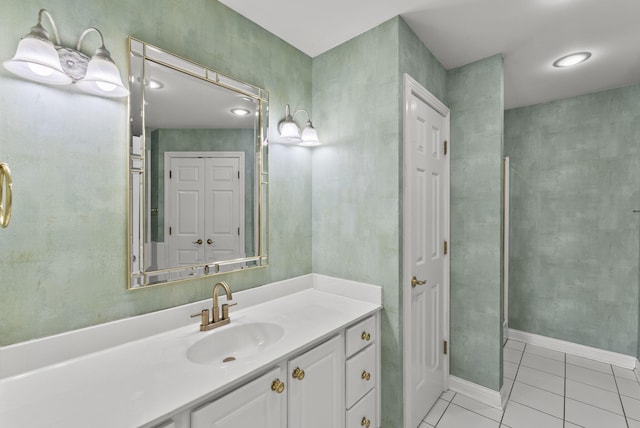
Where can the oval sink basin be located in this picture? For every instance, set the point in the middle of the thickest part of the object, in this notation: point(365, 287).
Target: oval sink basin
point(234, 343)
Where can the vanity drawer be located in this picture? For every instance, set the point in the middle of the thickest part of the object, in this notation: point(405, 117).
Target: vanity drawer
point(360, 335)
point(363, 414)
point(361, 375)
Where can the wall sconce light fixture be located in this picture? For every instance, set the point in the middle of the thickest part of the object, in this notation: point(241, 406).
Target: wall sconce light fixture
point(290, 131)
point(38, 59)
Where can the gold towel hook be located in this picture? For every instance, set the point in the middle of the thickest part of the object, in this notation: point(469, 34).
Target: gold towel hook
point(6, 194)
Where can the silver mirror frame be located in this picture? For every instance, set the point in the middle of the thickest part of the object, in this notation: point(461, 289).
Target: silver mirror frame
point(138, 278)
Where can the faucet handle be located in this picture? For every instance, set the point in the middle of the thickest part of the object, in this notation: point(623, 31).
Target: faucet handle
point(225, 310)
point(204, 318)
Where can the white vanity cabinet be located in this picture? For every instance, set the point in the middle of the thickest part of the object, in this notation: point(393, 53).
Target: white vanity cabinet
point(362, 366)
point(316, 386)
point(259, 404)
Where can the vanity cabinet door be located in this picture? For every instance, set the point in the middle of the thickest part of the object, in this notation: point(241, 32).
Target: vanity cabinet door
point(316, 387)
point(259, 404)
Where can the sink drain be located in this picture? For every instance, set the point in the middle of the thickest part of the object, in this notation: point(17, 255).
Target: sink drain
point(229, 359)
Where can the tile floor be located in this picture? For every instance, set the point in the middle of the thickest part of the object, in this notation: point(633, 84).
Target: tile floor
point(548, 389)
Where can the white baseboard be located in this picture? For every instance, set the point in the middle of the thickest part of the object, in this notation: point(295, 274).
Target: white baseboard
point(608, 357)
point(477, 392)
point(637, 370)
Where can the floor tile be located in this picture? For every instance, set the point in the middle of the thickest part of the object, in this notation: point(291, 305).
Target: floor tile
point(633, 424)
point(631, 408)
point(514, 344)
point(570, 425)
point(519, 416)
point(630, 388)
point(591, 417)
point(544, 364)
point(538, 399)
point(590, 364)
point(425, 425)
point(595, 396)
point(512, 355)
point(447, 395)
point(507, 386)
point(624, 373)
point(436, 412)
point(542, 380)
point(544, 352)
point(592, 377)
point(509, 369)
point(478, 407)
point(458, 417)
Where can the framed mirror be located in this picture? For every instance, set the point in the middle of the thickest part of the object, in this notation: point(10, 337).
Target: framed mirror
point(198, 178)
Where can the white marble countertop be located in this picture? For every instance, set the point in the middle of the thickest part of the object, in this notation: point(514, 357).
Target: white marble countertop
point(139, 382)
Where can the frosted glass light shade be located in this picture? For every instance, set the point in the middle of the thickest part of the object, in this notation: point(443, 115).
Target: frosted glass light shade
point(309, 136)
point(289, 131)
point(36, 59)
point(103, 77)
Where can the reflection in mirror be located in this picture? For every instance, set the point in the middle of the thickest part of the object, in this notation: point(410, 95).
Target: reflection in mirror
point(198, 178)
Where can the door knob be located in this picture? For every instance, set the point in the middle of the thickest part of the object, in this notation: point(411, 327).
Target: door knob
point(209, 241)
point(199, 242)
point(415, 282)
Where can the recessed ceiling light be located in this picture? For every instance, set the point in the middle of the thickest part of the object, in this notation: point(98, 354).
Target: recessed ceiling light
point(572, 59)
point(240, 111)
point(154, 84)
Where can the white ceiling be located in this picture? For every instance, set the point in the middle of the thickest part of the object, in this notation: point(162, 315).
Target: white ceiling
point(530, 34)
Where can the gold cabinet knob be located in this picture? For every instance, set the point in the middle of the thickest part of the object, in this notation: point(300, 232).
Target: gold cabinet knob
point(298, 373)
point(415, 282)
point(365, 422)
point(365, 375)
point(277, 386)
point(209, 241)
point(365, 336)
point(199, 242)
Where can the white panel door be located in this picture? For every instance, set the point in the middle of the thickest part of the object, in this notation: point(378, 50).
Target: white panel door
point(185, 225)
point(255, 405)
point(316, 394)
point(427, 201)
point(225, 214)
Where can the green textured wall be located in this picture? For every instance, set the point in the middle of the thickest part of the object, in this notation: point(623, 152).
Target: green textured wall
point(575, 180)
point(63, 257)
point(475, 96)
point(357, 97)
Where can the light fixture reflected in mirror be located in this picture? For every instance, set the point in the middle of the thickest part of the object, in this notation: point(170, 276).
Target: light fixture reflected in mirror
point(572, 59)
point(290, 131)
point(38, 59)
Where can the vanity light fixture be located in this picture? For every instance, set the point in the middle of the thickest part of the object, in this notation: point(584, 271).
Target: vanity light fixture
point(290, 131)
point(37, 58)
point(572, 59)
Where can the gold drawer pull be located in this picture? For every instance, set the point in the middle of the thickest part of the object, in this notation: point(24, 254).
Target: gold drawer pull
point(298, 373)
point(277, 386)
point(365, 422)
point(365, 375)
point(365, 336)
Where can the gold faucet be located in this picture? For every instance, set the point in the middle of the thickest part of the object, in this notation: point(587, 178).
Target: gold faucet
point(216, 320)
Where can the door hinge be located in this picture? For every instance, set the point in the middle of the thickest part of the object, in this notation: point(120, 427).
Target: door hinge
point(169, 174)
point(445, 347)
point(446, 247)
point(238, 231)
point(238, 175)
point(445, 147)
point(169, 230)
